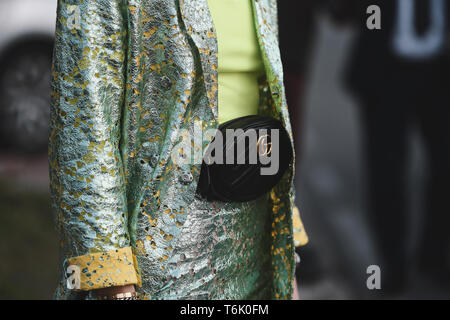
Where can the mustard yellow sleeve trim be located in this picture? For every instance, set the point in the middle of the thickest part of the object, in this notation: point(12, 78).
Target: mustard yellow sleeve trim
point(300, 236)
point(107, 269)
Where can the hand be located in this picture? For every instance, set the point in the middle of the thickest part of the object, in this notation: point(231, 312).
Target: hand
point(295, 295)
point(112, 291)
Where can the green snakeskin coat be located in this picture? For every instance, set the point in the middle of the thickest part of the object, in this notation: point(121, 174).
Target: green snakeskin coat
point(128, 77)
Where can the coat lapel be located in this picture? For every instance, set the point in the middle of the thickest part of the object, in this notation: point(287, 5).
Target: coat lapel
point(200, 27)
point(265, 12)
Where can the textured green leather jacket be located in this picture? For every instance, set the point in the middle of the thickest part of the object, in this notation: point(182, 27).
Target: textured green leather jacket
point(128, 77)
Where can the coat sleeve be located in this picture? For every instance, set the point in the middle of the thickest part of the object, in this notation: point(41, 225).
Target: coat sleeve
point(86, 172)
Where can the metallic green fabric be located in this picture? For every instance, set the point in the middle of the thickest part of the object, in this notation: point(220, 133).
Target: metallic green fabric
point(222, 252)
point(128, 77)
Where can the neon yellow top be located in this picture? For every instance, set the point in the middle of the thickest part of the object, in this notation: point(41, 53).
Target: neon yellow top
point(240, 61)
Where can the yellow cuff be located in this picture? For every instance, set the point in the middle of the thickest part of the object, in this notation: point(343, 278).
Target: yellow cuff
point(300, 236)
point(107, 269)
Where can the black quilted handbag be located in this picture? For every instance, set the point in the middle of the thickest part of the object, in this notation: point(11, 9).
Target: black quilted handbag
point(247, 180)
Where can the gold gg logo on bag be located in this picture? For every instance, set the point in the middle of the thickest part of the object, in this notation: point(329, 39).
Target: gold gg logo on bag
point(264, 146)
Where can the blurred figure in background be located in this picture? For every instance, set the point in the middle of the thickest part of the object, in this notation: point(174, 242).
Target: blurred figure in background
point(298, 31)
point(399, 75)
point(297, 19)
